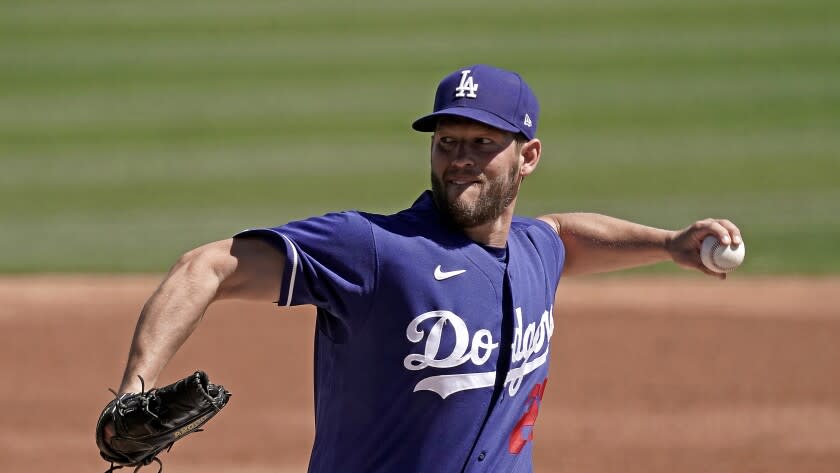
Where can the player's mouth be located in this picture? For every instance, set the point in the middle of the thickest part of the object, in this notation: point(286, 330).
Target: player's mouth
point(462, 181)
point(458, 188)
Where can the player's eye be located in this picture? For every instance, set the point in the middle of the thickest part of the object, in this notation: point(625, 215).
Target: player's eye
point(447, 140)
point(484, 141)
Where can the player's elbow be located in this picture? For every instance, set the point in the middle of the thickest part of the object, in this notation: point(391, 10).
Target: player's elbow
point(206, 266)
point(239, 268)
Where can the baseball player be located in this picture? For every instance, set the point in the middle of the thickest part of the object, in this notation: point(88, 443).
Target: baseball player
point(434, 323)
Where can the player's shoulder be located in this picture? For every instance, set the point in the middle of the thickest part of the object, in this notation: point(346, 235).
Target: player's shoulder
point(346, 227)
point(540, 235)
point(532, 225)
point(336, 221)
point(417, 219)
point(539, 232)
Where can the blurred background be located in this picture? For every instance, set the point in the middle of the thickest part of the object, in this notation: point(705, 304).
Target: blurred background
point(133, 131)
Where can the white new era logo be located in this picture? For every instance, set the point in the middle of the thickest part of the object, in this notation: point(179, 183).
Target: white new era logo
point(527, 121)
point(467, 87)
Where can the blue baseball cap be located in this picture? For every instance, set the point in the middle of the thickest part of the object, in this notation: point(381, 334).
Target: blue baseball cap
point(486, 94)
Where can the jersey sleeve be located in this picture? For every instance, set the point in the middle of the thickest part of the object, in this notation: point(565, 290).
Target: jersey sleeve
point(330, 262)
point(552, 249)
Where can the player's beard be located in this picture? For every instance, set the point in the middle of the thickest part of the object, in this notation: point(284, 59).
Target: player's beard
point(495, 196)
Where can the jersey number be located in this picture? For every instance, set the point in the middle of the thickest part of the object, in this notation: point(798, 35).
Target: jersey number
point(524, 429)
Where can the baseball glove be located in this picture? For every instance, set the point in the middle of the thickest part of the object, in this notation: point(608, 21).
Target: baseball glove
point(135, 427)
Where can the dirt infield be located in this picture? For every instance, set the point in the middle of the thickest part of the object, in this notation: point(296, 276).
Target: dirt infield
point(648, 375)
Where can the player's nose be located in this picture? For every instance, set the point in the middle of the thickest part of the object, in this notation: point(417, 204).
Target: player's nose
point(462, 157)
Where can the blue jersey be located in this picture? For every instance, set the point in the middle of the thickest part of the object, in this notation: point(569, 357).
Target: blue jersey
point(431, 351)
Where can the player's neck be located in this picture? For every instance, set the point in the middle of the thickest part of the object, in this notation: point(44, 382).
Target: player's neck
point(495, 232)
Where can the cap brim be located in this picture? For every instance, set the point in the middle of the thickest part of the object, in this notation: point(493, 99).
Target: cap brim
point(429, 122)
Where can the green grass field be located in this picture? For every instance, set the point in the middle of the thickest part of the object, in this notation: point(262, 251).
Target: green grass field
point(131, 132)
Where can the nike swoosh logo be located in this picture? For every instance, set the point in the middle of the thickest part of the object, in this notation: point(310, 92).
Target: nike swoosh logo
point(441, 275)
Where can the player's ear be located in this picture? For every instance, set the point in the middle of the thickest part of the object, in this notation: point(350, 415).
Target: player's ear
point(529, 156)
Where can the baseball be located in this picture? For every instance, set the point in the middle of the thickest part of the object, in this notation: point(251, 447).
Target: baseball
point(721, 258)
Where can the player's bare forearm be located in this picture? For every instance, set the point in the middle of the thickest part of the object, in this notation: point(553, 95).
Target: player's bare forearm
point(240, 268)
point(598, 243)
point(169, 317)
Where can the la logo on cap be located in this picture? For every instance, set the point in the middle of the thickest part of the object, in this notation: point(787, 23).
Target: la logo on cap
point(467, 87)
